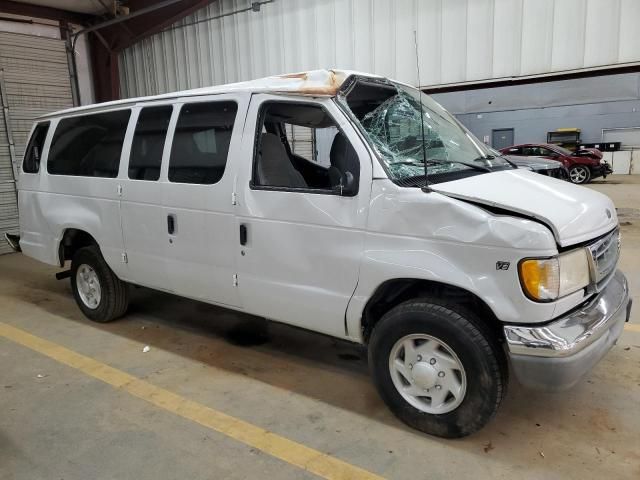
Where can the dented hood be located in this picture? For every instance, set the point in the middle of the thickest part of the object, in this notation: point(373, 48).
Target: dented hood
point(573, 213)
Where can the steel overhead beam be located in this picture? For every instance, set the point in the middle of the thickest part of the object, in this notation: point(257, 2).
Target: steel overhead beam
point(112, 60)
point(38, 11)
point(124, 18)
point(162, 23)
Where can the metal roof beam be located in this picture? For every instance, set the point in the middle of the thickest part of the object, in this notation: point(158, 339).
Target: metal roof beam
point(38, 11)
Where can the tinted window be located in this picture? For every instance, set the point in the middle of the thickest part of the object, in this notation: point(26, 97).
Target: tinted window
point(300, 146)
point(31, 163)
point(545, 152)
point(89, 145)
point(201, 142)
point(538, 151)
point(148, 143)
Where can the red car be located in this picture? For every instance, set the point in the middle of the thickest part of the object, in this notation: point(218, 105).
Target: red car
point(583, 165)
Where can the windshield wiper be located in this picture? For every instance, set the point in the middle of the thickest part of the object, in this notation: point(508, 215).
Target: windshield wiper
point(417, 163)
point(475, 166)
point(433, 162)
point(494, 157)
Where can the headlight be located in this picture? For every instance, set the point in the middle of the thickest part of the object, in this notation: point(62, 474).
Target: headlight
point(547, 279)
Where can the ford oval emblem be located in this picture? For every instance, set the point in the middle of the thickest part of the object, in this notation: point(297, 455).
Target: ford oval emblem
point(608, 213)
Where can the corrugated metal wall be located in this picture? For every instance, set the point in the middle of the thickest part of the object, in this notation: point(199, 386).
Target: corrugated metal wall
point(590, 104)
point(35, 80)
point(459, 41)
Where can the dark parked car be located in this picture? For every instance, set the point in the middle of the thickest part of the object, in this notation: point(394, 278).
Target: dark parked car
point(583, 165)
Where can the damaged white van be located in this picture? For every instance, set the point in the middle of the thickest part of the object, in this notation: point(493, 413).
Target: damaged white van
point(343, 203)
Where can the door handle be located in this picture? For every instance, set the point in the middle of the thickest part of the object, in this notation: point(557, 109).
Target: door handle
point(171, 224)
point(243, 234)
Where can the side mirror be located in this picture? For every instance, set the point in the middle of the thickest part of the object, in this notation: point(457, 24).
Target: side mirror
point(346, 187)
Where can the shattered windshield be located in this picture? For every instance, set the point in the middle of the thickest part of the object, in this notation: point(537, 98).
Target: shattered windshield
point(408, 132)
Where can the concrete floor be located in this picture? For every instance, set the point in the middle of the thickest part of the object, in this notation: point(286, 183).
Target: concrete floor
point(57, 422)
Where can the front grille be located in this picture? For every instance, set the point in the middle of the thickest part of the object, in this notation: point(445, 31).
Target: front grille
point(604, 254)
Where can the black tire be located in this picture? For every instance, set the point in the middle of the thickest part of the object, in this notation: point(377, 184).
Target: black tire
point(579, 174)
point(114, 293)
point(483, 359)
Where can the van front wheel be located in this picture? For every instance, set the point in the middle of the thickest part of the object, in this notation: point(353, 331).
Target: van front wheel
point(438, 371)
point(99, 293)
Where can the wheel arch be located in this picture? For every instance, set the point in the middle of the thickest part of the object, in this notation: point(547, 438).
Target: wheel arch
point(71, 240)
point(396, 291)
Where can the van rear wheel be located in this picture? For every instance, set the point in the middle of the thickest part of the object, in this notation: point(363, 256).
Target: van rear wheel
point(439, 371)
point(99, 293)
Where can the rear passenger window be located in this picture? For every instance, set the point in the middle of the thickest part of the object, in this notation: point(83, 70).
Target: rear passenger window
point(201, 142)
point(148, 142)
point(88, 145)
point(33, 153)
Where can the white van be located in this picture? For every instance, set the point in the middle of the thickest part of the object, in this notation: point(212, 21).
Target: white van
point(303, 199)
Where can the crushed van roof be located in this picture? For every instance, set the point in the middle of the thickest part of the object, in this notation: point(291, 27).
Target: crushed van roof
point(312, 83)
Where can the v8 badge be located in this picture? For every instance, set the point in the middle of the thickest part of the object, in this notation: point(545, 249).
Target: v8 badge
point(500, 265)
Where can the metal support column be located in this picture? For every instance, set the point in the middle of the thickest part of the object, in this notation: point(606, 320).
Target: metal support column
point(7, 124)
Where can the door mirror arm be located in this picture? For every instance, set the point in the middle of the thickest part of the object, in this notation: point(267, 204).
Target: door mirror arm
point(345, 187)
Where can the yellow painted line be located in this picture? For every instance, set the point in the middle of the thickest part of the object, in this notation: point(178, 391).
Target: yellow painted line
point(632, 327)
point(282, 448)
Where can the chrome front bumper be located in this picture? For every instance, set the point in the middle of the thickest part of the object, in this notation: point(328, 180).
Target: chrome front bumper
point(556, 355)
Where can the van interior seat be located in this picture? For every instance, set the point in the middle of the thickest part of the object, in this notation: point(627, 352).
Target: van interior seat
point(274, 165)
point(188, 164)
point(146, 157)
point(103, 159)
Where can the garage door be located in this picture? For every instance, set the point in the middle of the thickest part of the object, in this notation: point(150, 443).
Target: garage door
point(628, 137)
point(34, 80)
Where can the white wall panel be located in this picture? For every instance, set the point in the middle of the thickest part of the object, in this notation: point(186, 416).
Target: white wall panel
point(343, 20)
point(569, 34)
point(507, 37)
point(405, 40)
point(363, 35)
point(537, 36)
point(454, 40)
point(429, 28)
point(635, 162)
point(384, 37)
point(458, 41)
point(603, 16)
point(629, 44)
point(621, 162)
point(480, 16)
